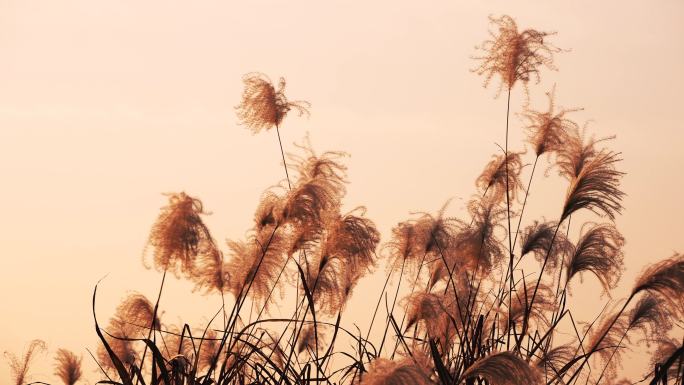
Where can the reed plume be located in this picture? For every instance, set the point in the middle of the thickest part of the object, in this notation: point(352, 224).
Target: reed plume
point(353, 240)
point(177, 344)
point(606, 338)
point(19, 367)
point(514, 56)
point(309, 201)
point(68, 367)
point(502, 173)
point(598, 251)
point(538, 239)
point(547, 130)
point(520, 306)
point(402, 248)
point(267, 212)
point(124, 351)
point(433, 232)
point(210, 273)
point(436, 314)
point(666, 348)
point(134, 315)
point(209, 349)
point(326, 166)
point(503, 368)
point(576, 152)
point(651, 316)
point(478, 241)
point(179, 236)
point(665, 280)
point(555, 358)
point(345, 253)
point(395, 372)
point(263, 105)
point(310, 338)
point(596, 187)
point(257, 262)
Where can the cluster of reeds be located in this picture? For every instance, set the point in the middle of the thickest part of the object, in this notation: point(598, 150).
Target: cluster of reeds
point(471, 315)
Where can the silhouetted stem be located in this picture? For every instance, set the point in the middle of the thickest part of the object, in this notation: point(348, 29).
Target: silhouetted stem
point(154, 318)
point(527, 193)
point(377, 306)
point(396, 294)
point(508, 215)
point(598, 343)
point(664, 368)
point(598, 381)
point(282, 153)
point(528, 309)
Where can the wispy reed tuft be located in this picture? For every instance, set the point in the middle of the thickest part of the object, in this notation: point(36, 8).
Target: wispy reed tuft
point(503, 368)
point(179, 236)
point(389, 372)
point(19, 367)
point(68, 367)
point(599, 251)
point(264, 105)
point(514, 56)
point(548, 129)
point(500, 174)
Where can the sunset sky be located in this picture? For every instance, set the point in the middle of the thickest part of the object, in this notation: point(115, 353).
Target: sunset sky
point(105, 105)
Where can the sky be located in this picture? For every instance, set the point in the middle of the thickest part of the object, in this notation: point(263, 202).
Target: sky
point(105, 105)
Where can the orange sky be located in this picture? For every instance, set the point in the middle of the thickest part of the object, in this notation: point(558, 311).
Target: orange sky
point(106, 104)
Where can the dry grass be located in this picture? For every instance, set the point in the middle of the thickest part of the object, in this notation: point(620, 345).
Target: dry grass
point(470, 314)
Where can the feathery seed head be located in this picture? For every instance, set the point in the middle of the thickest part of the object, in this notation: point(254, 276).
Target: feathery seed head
point(263, 105)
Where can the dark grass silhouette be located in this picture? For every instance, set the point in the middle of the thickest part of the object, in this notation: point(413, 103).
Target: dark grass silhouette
point(472, 315)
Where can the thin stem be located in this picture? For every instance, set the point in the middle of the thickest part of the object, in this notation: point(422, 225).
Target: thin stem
point(282, 153)
point(377, 306)
point(598, 343)
point(508, 213)
point(611, 355)
point(527, 192)
point(154, 318)
point(394, 302)
point(528, 309)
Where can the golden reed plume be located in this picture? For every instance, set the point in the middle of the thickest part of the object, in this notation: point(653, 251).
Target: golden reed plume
point(434, 314)
point(132, 319)
point(256, 263)
point(210, 272)
point(501, 173)
point(666, 348)
point(547, 130)
point(576, 152)
point(651, 316)
point(478, 241)
point(390, 372)
point(19, 367)
point(345, 253)
point(552, 360)
point(67, 366)
point(179, 236)
point(176, 344)
point(665, 280)
point(263, 105)
point(598, 251)
point(604, 340)
point(538, 238)
point(520, 306)
point(596, 187)
point(503, 368)
point(512, 55)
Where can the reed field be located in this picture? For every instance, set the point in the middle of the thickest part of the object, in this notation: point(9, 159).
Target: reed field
point(480, 298)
